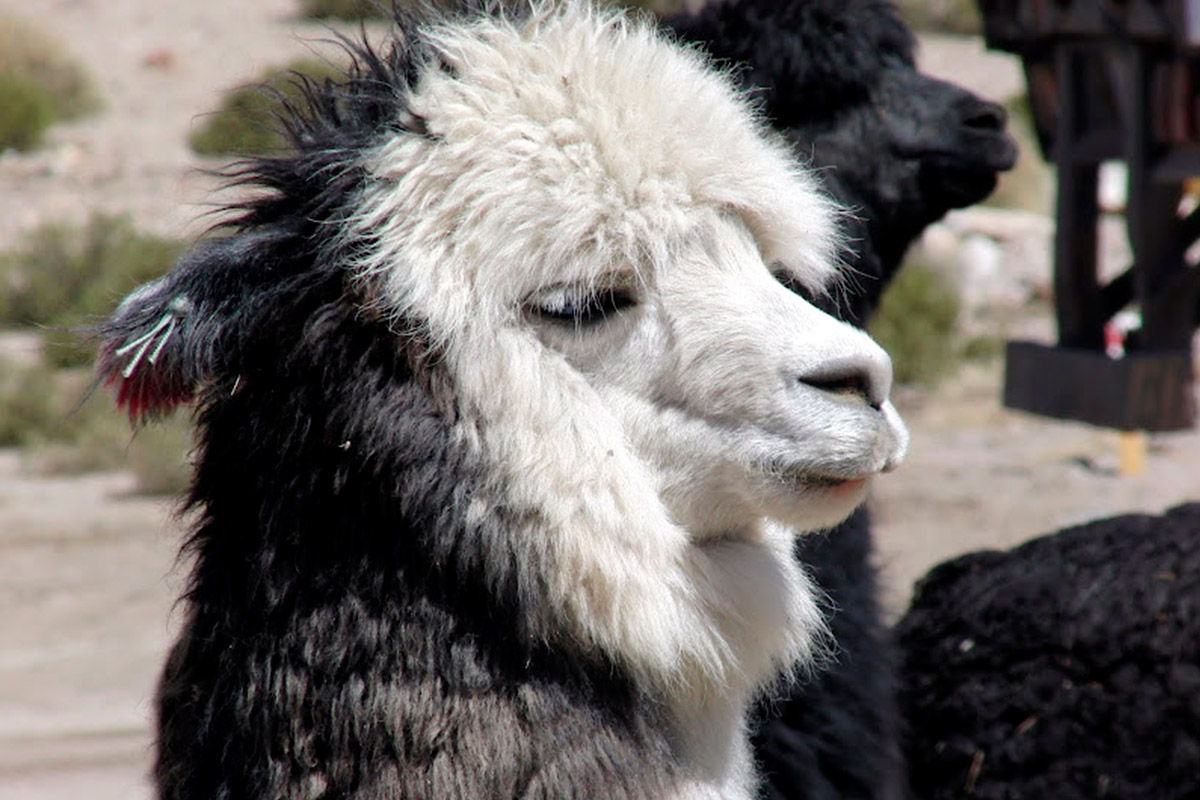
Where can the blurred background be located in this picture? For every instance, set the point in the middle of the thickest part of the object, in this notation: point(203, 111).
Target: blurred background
point(110, 113)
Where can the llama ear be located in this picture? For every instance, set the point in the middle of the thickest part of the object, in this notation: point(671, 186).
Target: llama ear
point(143, 353)
point(159, 345)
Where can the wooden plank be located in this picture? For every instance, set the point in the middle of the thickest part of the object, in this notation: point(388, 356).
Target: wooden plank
point(1142, 391)
point(1178, 164)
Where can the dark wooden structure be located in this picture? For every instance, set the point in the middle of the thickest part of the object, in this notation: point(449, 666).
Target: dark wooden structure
point(1113, 80)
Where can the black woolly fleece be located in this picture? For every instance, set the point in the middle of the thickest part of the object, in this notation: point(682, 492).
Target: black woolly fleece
point(1068, 667)
point(337, 578)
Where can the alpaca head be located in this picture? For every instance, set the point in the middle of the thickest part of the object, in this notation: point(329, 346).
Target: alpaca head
point(603, 264)
point(943, 145)
point(839, 79)
point(628, 246)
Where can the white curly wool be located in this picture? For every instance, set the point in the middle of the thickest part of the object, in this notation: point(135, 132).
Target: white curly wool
point(663, 456)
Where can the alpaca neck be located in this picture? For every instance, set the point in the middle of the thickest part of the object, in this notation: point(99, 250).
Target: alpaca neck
point(713, 745)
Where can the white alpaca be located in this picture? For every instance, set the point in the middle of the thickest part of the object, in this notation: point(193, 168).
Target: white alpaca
point(579, 240)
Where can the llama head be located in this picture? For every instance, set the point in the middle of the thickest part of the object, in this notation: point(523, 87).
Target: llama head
point(605, 261)
point(838, 78)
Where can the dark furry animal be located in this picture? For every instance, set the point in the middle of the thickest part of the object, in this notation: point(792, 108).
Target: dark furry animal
point(496, 482)
point(323, 655)
point(838, 79)
point(1068, 667)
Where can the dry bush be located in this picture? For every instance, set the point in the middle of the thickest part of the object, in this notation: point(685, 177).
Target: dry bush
point(25, 113)
point(60, 277)
point(942, 16)
point(246, 122)
point(160, 456)
point(917, 323)
point(39, 84)
point(65, 425)
point(27, 412)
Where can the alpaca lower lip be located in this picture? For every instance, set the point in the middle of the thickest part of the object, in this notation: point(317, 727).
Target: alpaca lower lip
point(820, 480)
point(823, 482)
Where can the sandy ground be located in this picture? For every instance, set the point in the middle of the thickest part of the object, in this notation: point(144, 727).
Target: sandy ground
point(87, 573)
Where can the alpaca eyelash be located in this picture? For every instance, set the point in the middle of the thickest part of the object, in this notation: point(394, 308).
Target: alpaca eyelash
point(581, 307)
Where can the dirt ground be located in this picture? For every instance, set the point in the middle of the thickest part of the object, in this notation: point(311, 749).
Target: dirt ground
point(87, 573)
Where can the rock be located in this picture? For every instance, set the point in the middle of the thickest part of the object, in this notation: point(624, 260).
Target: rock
point(999, 259)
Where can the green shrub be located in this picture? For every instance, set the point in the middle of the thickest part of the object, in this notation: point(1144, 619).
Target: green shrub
point(246, 123)
point(61, 277)
point(917, 323)
point(86, 434)
point(159, 456)
point(65, 425)
point(942, 16)
point(26, 112)
point(40, 406)
point(27, 54)
point(983, 348)
point(94, 437)
point(27, 411)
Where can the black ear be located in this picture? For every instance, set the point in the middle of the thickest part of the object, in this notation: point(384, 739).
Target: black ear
point(163, 341)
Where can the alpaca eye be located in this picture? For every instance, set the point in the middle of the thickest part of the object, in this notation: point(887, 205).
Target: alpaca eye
point(789, 282)
point(580, 306)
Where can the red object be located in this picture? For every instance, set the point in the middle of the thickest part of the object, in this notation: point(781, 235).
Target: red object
point(1114, 340)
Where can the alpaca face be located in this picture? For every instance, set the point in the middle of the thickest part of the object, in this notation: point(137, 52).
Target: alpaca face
point(597, 234)
point(625, 247)
point(744, 399)
point(838, 79)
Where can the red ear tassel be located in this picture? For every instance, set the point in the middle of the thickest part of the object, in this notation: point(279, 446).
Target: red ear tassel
point(144, 393)
point(142, 397)
point(144, 371)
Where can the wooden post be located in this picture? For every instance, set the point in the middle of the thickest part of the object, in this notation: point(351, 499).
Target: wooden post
point(1113, 81)
point(1076, 293)
point(1131, 453)
point(1152, 219)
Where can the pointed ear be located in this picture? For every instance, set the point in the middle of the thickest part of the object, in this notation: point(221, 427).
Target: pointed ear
point(161, 343)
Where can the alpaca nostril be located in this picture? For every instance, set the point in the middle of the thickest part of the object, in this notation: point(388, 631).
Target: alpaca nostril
point(865, 375)
point(848, 382)
point(985, 116)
